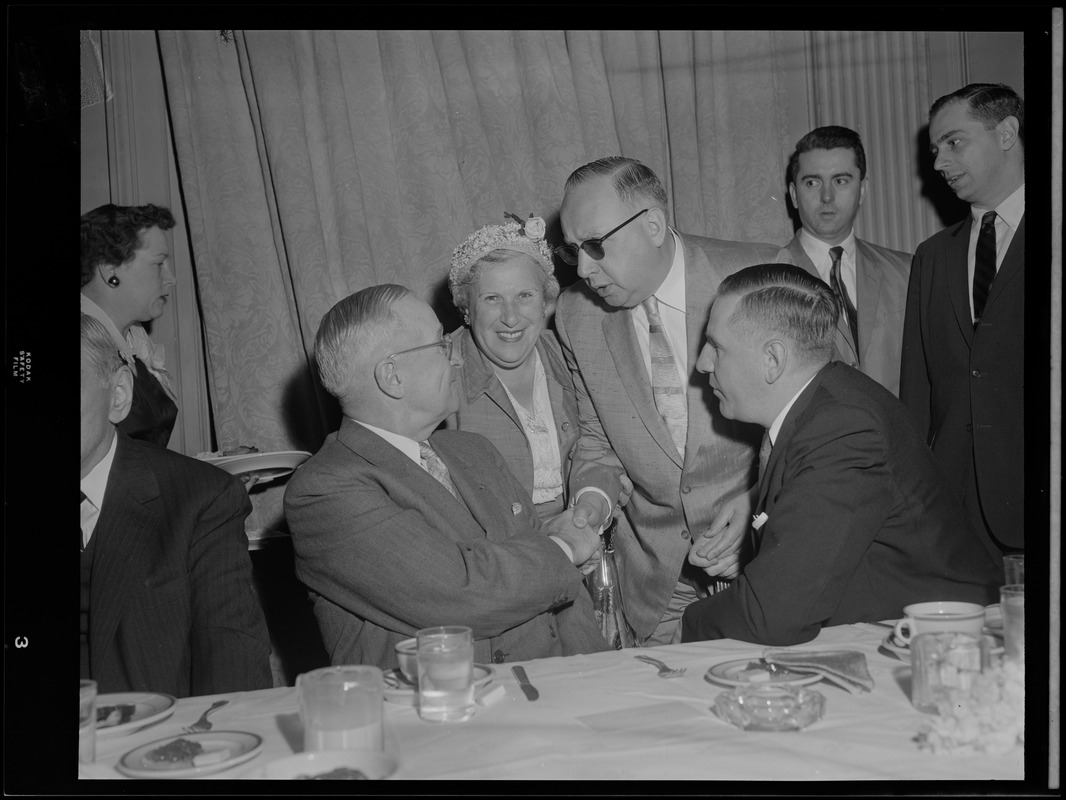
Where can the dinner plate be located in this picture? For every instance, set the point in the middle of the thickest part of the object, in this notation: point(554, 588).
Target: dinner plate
point(319, 765)
point(265, 466)
point(401, 691)
point(237, 746)
point(731, 673)
point(129, 711)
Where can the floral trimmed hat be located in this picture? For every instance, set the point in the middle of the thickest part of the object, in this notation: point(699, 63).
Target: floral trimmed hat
point(522, 236)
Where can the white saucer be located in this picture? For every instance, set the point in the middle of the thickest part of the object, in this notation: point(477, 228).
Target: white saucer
point(903, 651)
point(241, 746)
point(265, 466)
point(137, 709)
point(404, 693)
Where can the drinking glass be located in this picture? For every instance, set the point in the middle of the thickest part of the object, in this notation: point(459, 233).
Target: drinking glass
point(1014, 569)
point(1012, 603)
point(941, 662)
point(446, 673)
point(341, 708)
point(87, 731)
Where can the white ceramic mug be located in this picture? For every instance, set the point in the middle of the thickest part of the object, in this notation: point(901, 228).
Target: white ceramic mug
point(942, 616)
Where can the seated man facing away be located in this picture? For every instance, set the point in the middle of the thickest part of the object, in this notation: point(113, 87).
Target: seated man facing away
point(853, 519)
point(167, 601)
point(396, 529)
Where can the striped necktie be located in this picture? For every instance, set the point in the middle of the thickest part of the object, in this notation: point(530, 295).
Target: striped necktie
point(851, 315)
point(666, 385)
point(435, 467)
point(984, 264)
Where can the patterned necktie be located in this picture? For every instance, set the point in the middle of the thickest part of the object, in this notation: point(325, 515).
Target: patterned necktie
point(435, 467)
point(984, 264)
point(847, 308)
point(665, 382)
point(81, 531)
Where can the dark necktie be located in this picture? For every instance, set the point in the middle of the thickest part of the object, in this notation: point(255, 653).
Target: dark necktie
point(984, 264)
point(81, 532)
point(435, 467)
point(666, 385)
point(846, 306)
point(764, 454)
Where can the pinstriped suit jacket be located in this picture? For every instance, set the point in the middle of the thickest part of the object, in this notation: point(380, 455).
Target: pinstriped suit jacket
point(172, 605)
point(622, 431)
point(485, 408)
point(882, 276)
point(386, 550)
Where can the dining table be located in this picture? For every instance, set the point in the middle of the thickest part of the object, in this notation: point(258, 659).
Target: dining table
point(608, 716)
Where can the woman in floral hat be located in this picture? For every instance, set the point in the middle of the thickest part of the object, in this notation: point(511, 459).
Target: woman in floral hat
point(518, 392)
point(126, 279)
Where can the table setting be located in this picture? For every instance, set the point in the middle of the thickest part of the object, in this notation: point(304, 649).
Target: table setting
point(836, 708)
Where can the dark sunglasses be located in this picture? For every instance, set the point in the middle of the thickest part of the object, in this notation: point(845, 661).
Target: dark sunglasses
point(593, 247)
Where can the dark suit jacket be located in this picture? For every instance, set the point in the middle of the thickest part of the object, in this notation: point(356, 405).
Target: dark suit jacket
point(172, 604)
point(485, 408)
point(881, 275)
point(965, 388)
point(622, 431)
point(859, 524)
point(386, 550)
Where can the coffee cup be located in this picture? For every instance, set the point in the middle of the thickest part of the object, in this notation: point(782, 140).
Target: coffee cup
point(407, 655)
point(942, 616)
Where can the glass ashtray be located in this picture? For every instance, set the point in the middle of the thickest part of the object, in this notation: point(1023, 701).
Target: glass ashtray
point(770, 708)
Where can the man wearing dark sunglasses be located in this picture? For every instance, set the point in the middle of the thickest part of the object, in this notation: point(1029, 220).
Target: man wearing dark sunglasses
point(632, 330)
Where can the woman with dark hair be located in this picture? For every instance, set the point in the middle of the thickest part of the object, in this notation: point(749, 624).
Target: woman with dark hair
point(126, 279)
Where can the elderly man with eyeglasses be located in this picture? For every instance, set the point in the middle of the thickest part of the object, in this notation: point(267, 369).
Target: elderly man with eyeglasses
point(631, 331)
point(399, 526)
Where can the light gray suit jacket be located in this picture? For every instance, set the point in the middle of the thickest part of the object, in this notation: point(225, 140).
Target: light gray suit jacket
point(622, 431)
point(882, 276)
point(386, 550)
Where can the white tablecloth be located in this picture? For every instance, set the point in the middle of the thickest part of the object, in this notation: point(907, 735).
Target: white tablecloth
point(870, 736)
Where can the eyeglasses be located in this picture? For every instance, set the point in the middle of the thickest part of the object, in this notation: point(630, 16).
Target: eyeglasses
point(447, 344)
point(594, 247)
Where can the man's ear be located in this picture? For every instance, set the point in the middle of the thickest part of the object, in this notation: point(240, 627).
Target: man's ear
point(388, 379)
point(657, 225)
point(1008, 132)
point(775, 359)
point(121, 395)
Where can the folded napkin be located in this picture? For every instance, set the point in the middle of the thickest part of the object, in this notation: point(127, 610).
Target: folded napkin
point(845, 668)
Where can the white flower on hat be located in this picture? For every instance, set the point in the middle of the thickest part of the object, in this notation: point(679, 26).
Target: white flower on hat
point(534, 228)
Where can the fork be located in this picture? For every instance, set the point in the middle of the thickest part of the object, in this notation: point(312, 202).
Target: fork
point(664, 670)
point(202, 724)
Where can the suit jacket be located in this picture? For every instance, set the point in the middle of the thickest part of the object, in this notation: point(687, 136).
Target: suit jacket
point(172, 604)
point(622, 431)
point(386, 550)
point(859, 524)
point(964, 387)
point(881, 277)
point(485, 408)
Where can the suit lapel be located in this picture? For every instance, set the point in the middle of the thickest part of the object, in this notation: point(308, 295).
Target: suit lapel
point(1012, 265)
point(845, 346)
point(125, 536)
point(868, 282)
point(958, 277)
point(485, 508)
point(481, 379)
point(622, 344)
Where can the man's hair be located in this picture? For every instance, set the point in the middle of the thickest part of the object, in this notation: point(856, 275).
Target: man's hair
point(111, 234)
point(630, 179)
point(99, 351)
point(828, 138)
point(990, 103)
point(788, 301)
point(354, 326)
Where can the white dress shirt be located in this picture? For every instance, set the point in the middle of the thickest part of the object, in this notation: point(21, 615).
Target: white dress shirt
point(94, 485)
point(818, 252)
point(1009, 215)
point(780, 419)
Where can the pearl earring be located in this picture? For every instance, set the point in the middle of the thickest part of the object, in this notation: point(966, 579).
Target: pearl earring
point(113, 281)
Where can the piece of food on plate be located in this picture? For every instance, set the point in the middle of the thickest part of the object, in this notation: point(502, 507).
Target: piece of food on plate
point(109, 716)
point(846, 668)
point(338, 774)
point(175, 752)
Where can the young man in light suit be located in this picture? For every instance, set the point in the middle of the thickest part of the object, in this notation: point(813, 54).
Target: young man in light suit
point(827, 183)
point(641, 414)
point(854, 520)
point(963, 346)
point(167, 600)
point(397, 527)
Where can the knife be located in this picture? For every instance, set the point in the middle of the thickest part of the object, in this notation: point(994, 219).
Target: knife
point(528, 688)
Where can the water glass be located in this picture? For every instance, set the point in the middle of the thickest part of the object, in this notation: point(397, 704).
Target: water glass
point(87, 731)
point(446, 673)
point(941, 662)
point(342, 708)
point(1012, 604)
point(1014, 569)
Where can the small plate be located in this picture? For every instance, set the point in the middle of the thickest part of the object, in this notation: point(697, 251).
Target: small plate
point(401, 691)
point(241, 746)
point(265, 466)
point(375, 766)
point(903, 651)
point(147, 707)
point(730, 673)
